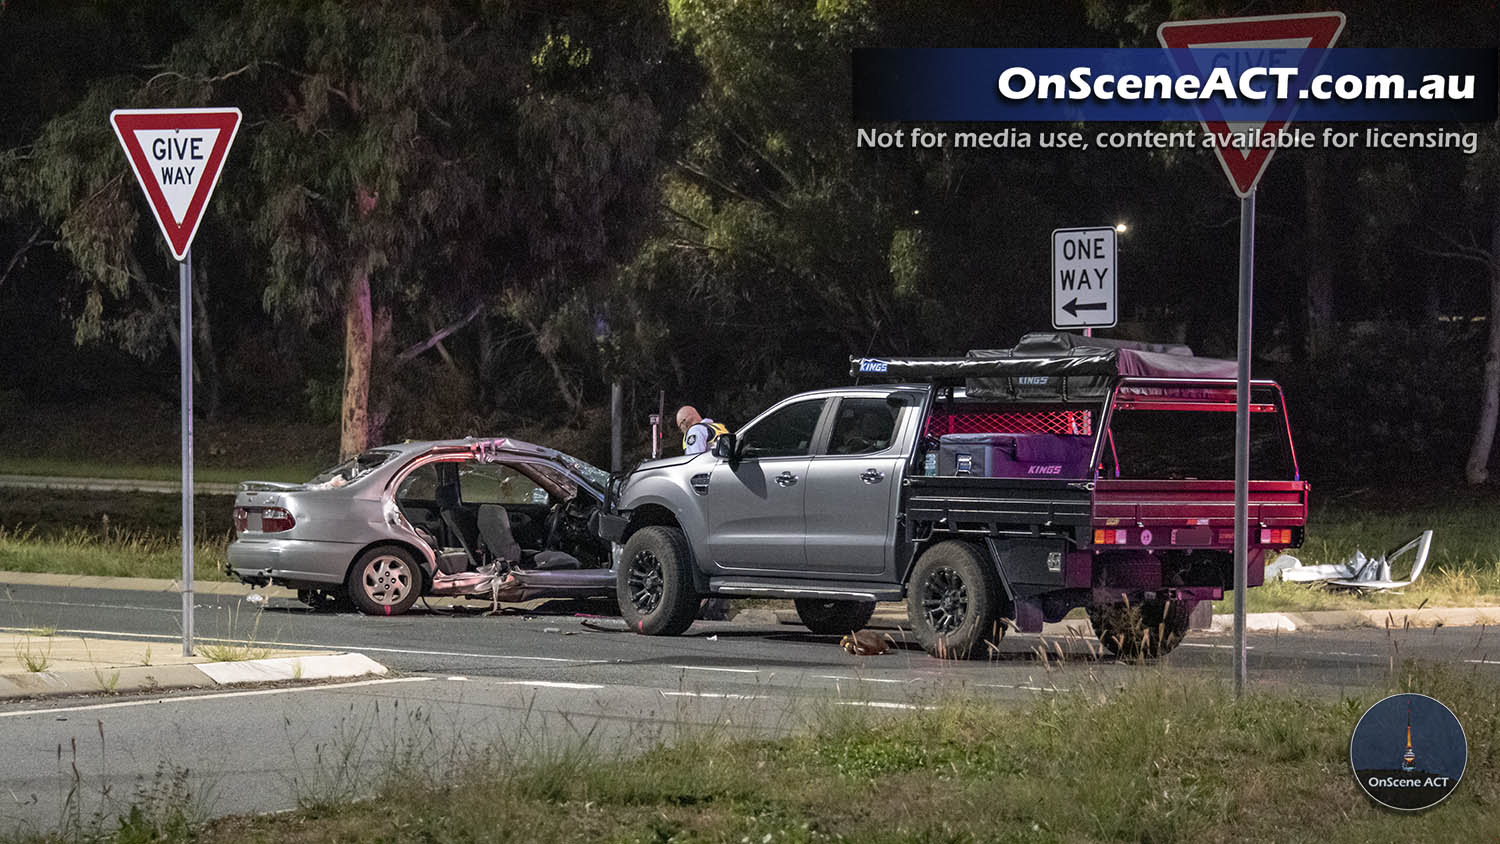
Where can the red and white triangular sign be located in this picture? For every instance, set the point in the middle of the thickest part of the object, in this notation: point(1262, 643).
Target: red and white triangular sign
point(1314, 31)
point(177, 154)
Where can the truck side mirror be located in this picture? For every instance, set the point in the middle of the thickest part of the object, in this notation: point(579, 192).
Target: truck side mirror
point(724, 447)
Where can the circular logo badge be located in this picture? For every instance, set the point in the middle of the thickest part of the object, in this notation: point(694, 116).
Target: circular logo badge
point(1408, 752)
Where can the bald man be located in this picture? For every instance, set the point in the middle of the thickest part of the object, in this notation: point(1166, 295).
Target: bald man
point(697, 433)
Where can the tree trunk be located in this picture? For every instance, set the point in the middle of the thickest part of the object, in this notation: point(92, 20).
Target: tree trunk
point(1319, 257)
point(205, 360)
point(358, 345)
point(1477, 471)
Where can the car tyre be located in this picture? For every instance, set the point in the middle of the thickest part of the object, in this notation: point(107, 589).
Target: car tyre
point(834, 618)
point(953, 602)
point(1146, 629)
point(655, 582)
point(385, 580)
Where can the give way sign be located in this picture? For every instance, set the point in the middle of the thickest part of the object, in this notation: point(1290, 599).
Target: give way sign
point(177, 154)
point(1235, 43)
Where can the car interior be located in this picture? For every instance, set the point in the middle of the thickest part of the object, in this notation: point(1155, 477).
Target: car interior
point(519, 515)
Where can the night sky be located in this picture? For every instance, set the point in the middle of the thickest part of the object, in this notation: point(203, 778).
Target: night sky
point(1437, 737)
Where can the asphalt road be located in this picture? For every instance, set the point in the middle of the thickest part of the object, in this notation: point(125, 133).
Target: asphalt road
point(530, 682)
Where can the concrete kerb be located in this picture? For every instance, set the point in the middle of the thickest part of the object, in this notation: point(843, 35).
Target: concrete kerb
point(308, 668)
point(1267, 622)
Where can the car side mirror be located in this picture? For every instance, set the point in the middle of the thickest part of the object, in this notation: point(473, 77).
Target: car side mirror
point(724, 447)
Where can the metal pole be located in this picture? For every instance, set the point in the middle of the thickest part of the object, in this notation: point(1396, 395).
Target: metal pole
point(616, 422)
point(185, 345)
point(1242, 439)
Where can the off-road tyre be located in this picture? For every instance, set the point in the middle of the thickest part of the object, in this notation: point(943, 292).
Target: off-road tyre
point(385, 580)
point(834, 618)
point(953, 602)
point(1148, 629)
point(654, 583)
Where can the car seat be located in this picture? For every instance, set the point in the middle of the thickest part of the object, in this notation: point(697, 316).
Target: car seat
point(460, 522)
point(495, 533)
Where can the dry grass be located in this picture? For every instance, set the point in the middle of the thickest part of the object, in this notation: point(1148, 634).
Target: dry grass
point(1176, 760)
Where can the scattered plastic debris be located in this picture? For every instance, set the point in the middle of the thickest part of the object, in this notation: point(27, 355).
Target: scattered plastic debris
point(551, 630)
point(1359, 572)
point(255, 598)
point(714, 638)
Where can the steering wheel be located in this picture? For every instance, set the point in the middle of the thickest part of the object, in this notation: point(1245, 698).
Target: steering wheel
point(554, 521)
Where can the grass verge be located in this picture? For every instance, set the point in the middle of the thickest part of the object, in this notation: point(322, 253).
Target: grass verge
point(1176, 761)
point(124, 554)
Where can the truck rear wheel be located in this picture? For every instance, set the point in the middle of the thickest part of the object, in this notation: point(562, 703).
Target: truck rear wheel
point(834, 618)
point(953, 601)
point(655, 582)
point(1148, 629)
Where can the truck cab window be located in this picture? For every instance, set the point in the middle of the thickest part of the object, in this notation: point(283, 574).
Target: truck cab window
point(863, 426)
point(786, 433)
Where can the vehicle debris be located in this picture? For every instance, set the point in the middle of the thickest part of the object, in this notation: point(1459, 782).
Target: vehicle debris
point(867, 643)
point(1358, 572)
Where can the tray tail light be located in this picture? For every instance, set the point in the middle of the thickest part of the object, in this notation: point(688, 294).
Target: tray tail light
point(1110, 536)
point(276, 520)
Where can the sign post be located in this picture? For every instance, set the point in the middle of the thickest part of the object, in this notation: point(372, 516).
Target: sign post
point(1084, 278)
point(177, 156)
point(1283, 40)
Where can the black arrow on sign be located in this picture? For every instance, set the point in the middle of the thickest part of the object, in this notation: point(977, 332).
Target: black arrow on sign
point(1073, 307)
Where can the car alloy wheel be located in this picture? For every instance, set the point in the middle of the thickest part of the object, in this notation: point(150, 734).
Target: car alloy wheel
point(388, 580)
point(945, 600)
point(646, 584)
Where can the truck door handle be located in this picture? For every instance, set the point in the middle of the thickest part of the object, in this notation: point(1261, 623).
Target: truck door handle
point(872, 476)
point(786, 479)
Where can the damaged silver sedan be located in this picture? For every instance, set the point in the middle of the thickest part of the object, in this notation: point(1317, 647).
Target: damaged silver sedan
point(493, 519)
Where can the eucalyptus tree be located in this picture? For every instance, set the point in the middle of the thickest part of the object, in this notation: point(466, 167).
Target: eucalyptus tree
point(395, 158)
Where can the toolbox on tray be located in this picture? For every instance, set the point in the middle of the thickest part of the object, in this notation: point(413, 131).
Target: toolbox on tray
point(1014, 455)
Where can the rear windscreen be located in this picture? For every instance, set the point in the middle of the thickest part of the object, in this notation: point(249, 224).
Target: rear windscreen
point(1172, 444)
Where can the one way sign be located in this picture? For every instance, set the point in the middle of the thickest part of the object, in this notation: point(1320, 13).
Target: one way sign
point(1083, 278)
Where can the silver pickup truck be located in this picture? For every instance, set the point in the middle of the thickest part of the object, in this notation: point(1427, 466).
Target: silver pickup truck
point(1007, 487)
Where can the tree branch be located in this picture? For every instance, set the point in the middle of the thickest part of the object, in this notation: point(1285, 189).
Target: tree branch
point(20, 253)
point(442, 334)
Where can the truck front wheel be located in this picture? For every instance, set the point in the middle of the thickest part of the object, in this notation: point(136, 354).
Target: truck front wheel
point(655, 582)
point(834, 618)
point(953, 601)
point(1148, 629)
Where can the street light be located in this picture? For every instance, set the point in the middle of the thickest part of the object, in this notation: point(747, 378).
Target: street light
point(1121, 227)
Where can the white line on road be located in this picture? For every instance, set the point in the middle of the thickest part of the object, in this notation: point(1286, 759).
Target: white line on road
point(549, 684)
point(724, 695)
point(725, 670)
point(218, 696)
point(882, 704)
point(861, 679)
point(326, 646)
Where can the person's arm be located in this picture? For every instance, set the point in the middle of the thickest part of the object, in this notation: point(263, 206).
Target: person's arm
point(697, 439)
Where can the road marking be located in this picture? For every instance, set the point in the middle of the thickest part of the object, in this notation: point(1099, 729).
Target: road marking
point(324, 647)
point(549, 684)
point(881, 704)
point(1207, 645)
point(1482, 661)
point(861, 679)
point(725, 670)
point(217, 696)
point(724, 695)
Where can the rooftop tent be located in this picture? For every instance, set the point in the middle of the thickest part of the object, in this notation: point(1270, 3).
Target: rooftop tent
point(1050, 367)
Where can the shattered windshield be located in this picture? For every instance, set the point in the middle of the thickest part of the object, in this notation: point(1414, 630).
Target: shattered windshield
point(589, 472)
point(351, 470)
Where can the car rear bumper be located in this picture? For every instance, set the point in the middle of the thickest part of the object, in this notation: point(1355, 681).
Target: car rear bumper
point(261, 561)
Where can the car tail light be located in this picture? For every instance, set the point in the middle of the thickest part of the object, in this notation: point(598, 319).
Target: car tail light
point(276, 520)
point(241, 520)
point(1110, 537)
